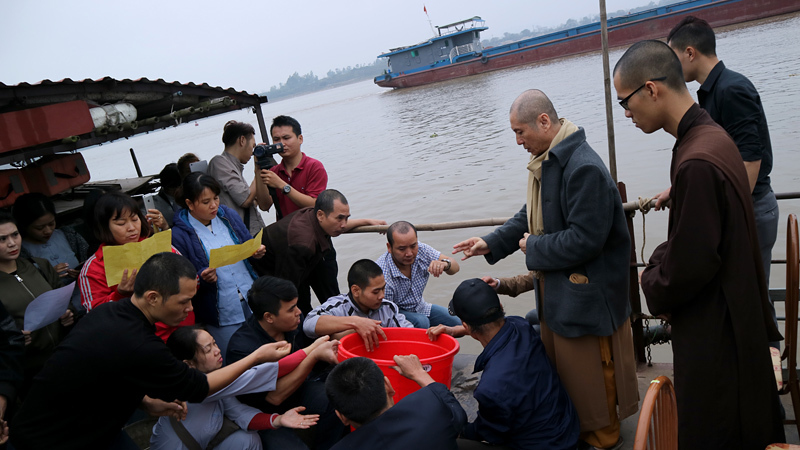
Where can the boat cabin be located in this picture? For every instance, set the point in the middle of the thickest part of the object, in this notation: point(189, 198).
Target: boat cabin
point(455, 40)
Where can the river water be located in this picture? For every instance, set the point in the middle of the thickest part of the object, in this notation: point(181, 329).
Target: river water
point(445, 152)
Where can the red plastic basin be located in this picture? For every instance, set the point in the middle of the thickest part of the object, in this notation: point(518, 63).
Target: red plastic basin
point(436, 357)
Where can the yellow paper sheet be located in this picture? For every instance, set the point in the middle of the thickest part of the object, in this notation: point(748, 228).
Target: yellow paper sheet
point(131, 256)
point(231, 254)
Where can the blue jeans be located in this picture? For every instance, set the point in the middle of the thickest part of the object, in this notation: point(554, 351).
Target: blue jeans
point(439, 315)
point(767, 218)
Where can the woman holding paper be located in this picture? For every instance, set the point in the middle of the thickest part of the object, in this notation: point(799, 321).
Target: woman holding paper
point(204, 225)
point(117, 220)
point(21, 281)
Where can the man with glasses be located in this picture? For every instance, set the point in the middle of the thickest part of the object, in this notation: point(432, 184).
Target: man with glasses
point(707, 279)
point(733, 102)
point(573, 232)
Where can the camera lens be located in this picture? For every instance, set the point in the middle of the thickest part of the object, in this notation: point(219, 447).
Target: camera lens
point(260, 151)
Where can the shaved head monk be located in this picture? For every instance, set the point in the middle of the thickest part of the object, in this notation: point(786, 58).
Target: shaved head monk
point(708, 277)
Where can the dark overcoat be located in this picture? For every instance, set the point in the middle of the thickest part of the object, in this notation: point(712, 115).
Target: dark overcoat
point(584, 232)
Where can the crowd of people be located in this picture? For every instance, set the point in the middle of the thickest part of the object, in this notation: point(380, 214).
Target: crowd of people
point(237, 357)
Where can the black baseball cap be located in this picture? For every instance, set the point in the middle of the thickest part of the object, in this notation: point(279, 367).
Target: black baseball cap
point(473, 301)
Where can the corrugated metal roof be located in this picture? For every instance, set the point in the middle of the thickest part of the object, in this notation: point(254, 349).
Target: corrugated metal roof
point(87, 81)
point(156, 102)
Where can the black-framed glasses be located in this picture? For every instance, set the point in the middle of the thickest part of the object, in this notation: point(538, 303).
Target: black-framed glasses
point(624, 101)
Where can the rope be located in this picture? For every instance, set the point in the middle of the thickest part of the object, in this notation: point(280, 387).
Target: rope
point(644, 207)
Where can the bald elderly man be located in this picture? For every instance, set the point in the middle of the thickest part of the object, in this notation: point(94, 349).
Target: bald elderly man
point(572, 230)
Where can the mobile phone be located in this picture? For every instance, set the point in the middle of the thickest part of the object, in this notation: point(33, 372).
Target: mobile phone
point(199, 166)
point(149, 201)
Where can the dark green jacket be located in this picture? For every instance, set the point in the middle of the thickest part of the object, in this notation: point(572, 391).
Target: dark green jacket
point(17, 295)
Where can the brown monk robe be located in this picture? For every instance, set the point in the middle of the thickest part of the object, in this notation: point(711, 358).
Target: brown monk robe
point(708, 276)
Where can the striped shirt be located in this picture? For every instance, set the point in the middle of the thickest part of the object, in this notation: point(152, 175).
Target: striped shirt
point(405, 292)
point(342, 306)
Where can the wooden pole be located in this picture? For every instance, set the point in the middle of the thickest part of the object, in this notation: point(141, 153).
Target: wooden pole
point(612, 152)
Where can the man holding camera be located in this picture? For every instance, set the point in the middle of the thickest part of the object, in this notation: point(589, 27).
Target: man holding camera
point(298, 179)
point(237, 194)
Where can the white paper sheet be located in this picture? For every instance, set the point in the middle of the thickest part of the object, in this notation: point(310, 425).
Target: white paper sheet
point(48, 307)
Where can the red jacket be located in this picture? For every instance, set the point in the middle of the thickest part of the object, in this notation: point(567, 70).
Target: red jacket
point(96, 291)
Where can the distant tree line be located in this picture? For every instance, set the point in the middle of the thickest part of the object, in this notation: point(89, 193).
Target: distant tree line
point(571, 23)
point(303, 84)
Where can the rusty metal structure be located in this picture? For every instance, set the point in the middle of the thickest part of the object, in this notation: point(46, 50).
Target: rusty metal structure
point(159, 104)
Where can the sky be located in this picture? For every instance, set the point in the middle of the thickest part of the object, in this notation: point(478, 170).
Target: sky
point(248, 45)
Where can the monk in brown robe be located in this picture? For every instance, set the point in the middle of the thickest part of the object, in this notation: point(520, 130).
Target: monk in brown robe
point(708, 277)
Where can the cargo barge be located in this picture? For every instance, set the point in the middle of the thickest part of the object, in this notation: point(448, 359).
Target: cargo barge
point(457, 51)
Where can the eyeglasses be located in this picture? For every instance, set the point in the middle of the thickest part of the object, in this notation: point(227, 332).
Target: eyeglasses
point(624, 101)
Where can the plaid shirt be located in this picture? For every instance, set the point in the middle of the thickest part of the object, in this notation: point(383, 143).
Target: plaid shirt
point(405, 293)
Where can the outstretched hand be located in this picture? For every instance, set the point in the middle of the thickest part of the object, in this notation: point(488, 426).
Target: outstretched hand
point(293, 419)
point(158, 408)
point(410, 367)
point(473, 246)
point(327, 352)
point(493, 282)
point(456, 331)
point(370, 331)
point(663, 200)
point(273, 351)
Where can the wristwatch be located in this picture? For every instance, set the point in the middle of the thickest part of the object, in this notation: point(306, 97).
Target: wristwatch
point(448, 264)
point(287, 189)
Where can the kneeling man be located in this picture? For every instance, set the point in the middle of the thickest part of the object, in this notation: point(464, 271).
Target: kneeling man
point(536, 412)
point(362, 310)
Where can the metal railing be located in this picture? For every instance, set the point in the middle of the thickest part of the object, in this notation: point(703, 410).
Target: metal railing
point(474, 47)
point(642, 338)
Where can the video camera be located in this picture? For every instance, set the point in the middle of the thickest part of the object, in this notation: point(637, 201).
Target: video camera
point(263, 154)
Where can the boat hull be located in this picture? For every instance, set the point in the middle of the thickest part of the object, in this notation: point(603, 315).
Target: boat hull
point(722, 13)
